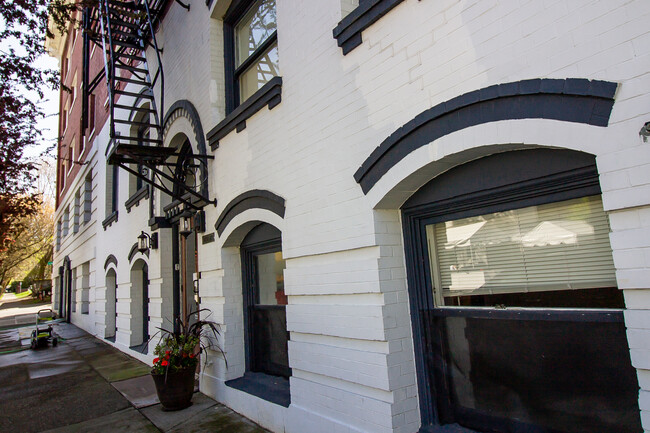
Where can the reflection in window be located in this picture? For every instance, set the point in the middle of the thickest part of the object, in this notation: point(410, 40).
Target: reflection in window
point(270, 269)
point(552, 247)
point(256, 49)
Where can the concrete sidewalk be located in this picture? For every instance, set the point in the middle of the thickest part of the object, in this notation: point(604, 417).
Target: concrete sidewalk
point(86, 385)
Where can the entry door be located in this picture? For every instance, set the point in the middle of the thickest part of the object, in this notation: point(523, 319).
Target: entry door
point(187, 271)
point(265, 302)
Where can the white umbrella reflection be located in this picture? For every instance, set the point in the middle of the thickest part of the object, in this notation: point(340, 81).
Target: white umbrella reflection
point(556, 233)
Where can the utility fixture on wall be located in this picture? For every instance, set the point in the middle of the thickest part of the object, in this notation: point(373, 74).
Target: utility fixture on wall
point(146, 241)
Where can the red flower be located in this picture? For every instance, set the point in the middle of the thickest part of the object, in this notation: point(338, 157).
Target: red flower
point(167, 352)
point(165, 363)
point(184, 355)
point(155, 360)
point(192, 355)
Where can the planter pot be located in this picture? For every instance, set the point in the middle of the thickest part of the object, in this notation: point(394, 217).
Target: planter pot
point(175, 389)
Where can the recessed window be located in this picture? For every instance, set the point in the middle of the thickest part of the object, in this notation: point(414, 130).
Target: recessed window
point(73, 145)
point(112, 188)
point(87, 197)
point(63, 173)
point(64, 119)
point(66, 221)
point(74, 89)
point(91, 112)
point(251, 40)
point(58, 235)
point(518, 307)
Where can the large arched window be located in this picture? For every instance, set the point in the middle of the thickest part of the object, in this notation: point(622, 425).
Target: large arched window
point(514, 298)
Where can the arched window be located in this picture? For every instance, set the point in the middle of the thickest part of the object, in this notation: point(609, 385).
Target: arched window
point(265, 302)
point(514, 296)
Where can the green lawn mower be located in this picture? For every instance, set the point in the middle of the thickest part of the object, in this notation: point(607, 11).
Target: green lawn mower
point(43, 335)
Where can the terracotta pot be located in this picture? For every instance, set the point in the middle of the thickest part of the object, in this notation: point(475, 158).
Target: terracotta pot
point(176, 389)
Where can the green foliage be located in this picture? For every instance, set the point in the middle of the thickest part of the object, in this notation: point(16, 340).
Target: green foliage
point(180, 348)
point(175, 352)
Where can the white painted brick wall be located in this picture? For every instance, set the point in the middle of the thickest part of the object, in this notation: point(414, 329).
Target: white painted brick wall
point(348, 312)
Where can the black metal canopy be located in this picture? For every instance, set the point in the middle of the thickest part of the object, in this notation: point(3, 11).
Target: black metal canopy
point(167, 166)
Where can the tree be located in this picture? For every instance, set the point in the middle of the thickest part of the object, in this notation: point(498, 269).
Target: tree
point(30, 242)
point(23, 28)
point(30, 246)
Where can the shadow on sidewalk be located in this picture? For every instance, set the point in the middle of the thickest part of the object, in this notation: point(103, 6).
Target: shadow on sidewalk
point(86, 385)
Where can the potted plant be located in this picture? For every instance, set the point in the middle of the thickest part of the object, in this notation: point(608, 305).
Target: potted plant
point(177, 357)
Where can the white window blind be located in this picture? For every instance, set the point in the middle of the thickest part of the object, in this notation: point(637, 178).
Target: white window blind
point(555, 246)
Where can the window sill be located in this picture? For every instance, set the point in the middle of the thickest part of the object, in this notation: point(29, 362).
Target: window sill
point(134, 200)
point(109, 220)
point(348, 31)
point(270, 388)
point(270, 94)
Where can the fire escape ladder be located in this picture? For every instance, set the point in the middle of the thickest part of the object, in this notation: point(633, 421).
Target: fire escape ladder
point(125, 29)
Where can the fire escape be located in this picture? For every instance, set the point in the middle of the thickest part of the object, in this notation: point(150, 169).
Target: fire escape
point(124, 30)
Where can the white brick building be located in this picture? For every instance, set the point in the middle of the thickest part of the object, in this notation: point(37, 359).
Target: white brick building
point(409, 200)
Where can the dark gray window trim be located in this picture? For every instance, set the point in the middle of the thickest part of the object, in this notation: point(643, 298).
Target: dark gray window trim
point(269, 95)
point(348, 31)
point(570, 100)
point(134, 200)
point(253, 199)
point(575, 180)
point(109, 220)
point(235, 12)
point(110, 259)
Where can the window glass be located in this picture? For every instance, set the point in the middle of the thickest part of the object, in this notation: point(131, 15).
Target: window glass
point(253, 29)
point(515, 258)
point(259, 73)
point(270, 275)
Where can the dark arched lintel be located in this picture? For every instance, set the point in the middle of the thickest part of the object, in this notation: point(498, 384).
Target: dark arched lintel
point(111, 259)
point(253, 199)
point(570, 100)
point(188, 111)
point(134, 251)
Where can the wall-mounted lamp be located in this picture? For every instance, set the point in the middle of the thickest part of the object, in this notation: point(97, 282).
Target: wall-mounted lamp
point(146, 241)
point(645, 132)
point(185, 224)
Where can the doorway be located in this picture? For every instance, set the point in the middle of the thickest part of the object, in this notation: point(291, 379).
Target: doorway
point(140, 306)
point(185, 258)
point(111, 305)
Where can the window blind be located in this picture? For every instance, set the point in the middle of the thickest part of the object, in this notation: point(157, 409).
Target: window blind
point(555, 246)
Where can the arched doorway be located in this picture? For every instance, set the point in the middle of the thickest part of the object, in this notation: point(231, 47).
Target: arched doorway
point(65, 291)
point(186, 220)
point(516, 315)
point(111, 305)
point(139, 305)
